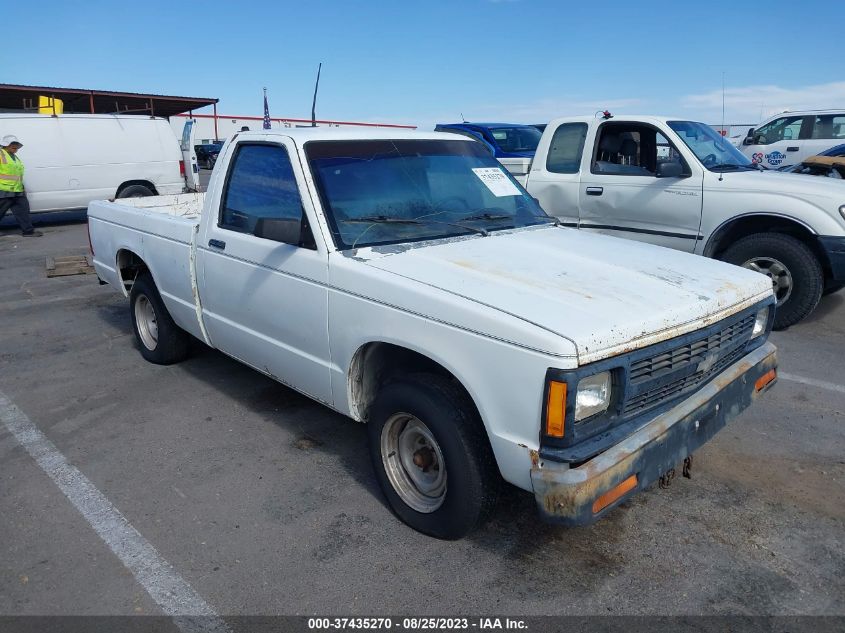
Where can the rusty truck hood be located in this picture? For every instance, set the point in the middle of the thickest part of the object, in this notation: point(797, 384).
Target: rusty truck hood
point(605, 294)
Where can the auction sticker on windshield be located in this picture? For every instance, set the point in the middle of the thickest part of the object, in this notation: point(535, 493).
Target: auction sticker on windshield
point(496, 181)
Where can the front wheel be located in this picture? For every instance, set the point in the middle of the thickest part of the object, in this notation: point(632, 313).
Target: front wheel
point(161, 341)
point(797, 277)
point(432, 457)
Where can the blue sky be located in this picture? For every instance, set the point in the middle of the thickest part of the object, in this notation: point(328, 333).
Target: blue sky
point(427, 62)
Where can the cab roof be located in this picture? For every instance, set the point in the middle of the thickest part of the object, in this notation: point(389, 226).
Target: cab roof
point(304, 135)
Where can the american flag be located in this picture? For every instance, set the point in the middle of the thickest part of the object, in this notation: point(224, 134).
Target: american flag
point(266, 112)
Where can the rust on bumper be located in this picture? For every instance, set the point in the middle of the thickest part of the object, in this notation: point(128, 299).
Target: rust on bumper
point(566, 495)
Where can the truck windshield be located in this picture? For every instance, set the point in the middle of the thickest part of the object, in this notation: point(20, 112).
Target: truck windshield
point(390, 191)
point(713, 150)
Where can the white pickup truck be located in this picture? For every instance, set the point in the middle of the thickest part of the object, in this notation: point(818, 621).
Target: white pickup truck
point(679, 184)
point(405, 280)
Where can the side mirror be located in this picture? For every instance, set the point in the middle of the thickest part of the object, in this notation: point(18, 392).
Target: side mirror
point(748, 140)
point(669, 169)
point(279, 230)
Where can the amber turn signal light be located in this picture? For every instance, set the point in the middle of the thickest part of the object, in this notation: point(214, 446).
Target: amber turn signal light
point(765, 379)
point(614, 493)
point(556, 409)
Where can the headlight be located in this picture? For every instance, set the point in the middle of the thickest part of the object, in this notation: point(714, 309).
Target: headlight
point(593, 395)
point(760, 323)
point(842, 211)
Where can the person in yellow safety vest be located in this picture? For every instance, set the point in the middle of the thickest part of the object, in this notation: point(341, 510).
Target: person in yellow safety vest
point(12, 194)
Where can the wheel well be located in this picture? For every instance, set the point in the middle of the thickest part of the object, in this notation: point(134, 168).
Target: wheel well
point(734, 230)
point(130, 266)
point(378, 364)
point(143, 183)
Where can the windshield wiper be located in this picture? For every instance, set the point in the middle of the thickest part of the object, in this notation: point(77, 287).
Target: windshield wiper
point(492, 217)
point(383, 219)
point(489, 216)
point(727, 166)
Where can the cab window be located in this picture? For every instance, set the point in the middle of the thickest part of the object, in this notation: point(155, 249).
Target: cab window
point(260, 184)
point(632, 149)
point(566, 148)
point(829, 126)
point(782, 129)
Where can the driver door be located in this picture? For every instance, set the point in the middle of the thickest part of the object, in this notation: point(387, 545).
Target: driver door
point(621, 194)
point(263, 301)
point(779, 143)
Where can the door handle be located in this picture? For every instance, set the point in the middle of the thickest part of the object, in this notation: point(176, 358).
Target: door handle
point(595, 191)
point(217, 244)
point(792, 149)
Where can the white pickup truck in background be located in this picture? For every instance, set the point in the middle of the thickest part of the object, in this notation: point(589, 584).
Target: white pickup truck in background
point(679, 184)
point(405, 280)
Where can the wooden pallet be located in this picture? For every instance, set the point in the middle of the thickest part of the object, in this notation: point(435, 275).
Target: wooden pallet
point(70, 265)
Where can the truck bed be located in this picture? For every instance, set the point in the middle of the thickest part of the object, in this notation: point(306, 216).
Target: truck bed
point(159, 230)
point(173, 217)
point(183, 205)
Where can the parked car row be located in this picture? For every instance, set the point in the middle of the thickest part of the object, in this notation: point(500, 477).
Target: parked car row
point(680, 184)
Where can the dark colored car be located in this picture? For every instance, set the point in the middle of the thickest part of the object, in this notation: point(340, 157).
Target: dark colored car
point(507, 140)
point(207, 154)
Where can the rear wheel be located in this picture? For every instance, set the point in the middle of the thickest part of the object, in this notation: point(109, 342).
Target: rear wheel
point(797, 278)
point(135, 191)
point(161, 341)
point(432, 457)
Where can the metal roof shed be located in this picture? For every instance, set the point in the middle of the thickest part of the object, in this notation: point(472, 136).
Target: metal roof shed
point(82, 101)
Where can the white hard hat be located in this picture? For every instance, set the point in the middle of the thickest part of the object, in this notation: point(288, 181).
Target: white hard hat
point(10, 139)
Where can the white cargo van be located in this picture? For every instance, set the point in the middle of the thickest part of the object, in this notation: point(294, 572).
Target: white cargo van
point(73, 159)
point(788, 138)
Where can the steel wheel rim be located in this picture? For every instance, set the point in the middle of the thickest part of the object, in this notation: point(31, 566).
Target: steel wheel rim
point(145, 317)
point(413, 462)
point(782, 283)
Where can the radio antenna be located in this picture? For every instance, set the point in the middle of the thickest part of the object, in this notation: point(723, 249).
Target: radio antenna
point(314, 102)
point(724, 129)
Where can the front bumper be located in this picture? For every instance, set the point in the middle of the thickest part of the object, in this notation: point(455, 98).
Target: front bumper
point(834, 249)
point(567, 495)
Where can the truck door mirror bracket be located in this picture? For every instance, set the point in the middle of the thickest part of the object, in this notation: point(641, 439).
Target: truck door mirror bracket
point(669, 169)
point(279, 230)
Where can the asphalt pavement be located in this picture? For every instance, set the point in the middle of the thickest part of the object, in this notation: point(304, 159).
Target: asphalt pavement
point(263, 502)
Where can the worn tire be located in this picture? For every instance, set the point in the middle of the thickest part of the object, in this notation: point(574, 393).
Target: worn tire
point(171, 343)
point(472, 477)
point(135, 191)
point(799, 260)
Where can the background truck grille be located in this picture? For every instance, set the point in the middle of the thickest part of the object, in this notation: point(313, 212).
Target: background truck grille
point(669, 374)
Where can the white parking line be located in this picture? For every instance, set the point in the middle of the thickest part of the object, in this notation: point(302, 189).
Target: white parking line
point(821, 384)
point(170, 591)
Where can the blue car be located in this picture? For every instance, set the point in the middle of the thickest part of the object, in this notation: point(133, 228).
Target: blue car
point(512, 144)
